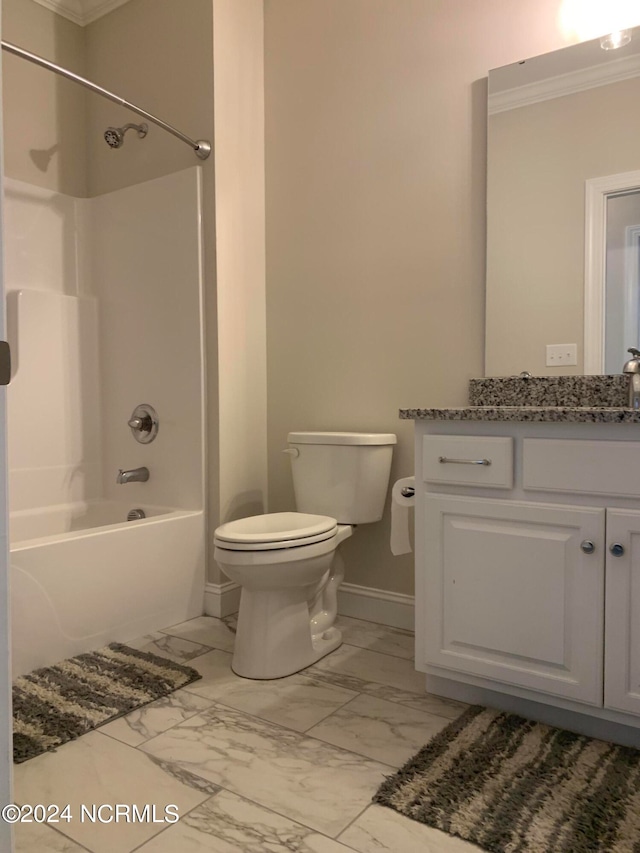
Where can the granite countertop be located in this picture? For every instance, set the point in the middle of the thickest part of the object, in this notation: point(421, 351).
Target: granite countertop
point(531, 414)
point(540, 399)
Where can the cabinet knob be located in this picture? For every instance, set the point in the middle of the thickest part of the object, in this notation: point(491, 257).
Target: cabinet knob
point(617, 549)
point(587, 546)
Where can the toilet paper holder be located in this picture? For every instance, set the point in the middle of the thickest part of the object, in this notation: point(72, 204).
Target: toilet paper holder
point(402, 503)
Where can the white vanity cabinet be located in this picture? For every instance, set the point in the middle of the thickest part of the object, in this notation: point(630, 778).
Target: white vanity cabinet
point(528, 562)
point(622, 613)
point(521, 601)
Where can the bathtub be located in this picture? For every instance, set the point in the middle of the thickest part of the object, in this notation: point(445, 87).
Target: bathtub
point(82, 576)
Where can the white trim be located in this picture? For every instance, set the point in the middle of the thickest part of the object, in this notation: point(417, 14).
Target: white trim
point(596, 192)
point(377, 605)
point(631, 284)
point(221, 599)
point(81, 12)
point(564, 84)
point(70, 9)
point(94, 9)
point(360, 602)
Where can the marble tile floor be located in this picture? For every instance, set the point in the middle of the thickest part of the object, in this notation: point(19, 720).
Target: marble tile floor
point(286, 766)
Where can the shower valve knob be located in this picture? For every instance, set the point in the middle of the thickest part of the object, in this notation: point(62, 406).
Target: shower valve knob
point(143, 423)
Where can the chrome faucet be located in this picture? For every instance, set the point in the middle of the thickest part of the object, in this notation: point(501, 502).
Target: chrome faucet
point(135, 475)
point(632, 367)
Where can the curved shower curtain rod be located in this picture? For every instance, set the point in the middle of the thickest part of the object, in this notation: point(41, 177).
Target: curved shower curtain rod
point(201, 147)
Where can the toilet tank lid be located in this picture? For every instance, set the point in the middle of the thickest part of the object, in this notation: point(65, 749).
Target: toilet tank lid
point(341, 438)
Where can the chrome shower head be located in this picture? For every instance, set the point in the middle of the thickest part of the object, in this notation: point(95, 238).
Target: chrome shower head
point(114, 136)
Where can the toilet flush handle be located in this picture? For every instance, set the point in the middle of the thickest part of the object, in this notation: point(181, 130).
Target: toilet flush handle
point(292, 451)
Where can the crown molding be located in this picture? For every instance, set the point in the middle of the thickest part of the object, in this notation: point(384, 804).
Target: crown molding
point(81, 12)
point(565, 84)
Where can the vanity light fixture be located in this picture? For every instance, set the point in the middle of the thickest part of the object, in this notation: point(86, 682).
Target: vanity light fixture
point(615, 40)
point(583, 20)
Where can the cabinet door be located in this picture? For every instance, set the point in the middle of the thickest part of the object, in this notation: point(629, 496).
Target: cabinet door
point(511, 595)
point(622, 615)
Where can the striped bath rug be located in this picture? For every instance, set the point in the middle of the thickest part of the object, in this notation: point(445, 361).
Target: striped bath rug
point(59, 703)
point(510, 785)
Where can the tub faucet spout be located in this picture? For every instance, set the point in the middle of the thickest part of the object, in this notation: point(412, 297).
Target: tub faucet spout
point(135, 475)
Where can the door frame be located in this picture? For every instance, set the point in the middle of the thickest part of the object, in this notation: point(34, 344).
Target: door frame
point(597, 191)
point(6, 752)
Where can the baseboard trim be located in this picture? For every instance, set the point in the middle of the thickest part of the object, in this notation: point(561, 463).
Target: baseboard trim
point(360, 602)
point(221, 599)
point(377, 605)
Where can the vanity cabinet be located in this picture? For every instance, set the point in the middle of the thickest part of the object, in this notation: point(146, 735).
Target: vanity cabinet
point(622, 613)
point(521, 600)
point(528, 576)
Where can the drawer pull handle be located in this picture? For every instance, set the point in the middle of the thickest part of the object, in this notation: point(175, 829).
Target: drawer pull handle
point(587, 546)
point(617, 549)
point(446, 460)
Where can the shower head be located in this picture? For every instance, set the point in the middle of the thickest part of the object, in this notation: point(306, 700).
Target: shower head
point(114, 136)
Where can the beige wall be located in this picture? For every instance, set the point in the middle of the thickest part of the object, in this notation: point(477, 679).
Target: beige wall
point(539, 159)
point(240, 251)
point(153, 54)
point(44, 115)
point(375, 170)
point(375, 175)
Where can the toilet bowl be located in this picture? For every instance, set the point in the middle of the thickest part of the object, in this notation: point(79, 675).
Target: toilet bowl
point(287, 563)
point(280, 571)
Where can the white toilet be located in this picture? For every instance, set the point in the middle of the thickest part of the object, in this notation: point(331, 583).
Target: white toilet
point(286, 562)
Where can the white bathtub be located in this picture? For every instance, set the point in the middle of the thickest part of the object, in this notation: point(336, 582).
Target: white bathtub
point(82, 576)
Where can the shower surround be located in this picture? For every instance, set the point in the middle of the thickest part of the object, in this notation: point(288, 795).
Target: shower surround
point(104, 313)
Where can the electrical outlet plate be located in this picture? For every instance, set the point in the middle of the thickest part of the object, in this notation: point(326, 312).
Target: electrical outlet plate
point(561, 354)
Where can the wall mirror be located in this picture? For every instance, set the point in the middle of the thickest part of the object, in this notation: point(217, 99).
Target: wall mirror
point(563, 210)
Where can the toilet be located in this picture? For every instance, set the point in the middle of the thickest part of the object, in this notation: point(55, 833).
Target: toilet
point(287, 562)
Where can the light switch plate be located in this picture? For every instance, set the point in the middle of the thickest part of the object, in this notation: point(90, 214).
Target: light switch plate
point(561, 354)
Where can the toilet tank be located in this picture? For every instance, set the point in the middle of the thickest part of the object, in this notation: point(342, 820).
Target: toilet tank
point(341, 474)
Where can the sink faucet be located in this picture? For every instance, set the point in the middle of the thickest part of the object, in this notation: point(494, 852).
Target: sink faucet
point(632, 367)
point(135, 475)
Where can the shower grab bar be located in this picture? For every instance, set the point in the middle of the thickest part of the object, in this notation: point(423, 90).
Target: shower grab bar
point(201, 147)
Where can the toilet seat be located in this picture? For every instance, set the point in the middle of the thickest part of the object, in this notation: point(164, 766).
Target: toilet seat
point(275, 531)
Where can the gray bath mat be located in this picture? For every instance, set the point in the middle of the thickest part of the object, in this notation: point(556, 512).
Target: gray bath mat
point(59, 703)
point(510, 785)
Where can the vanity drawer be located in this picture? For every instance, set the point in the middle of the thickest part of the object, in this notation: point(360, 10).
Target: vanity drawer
point(464, 460)
point(586, 467)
